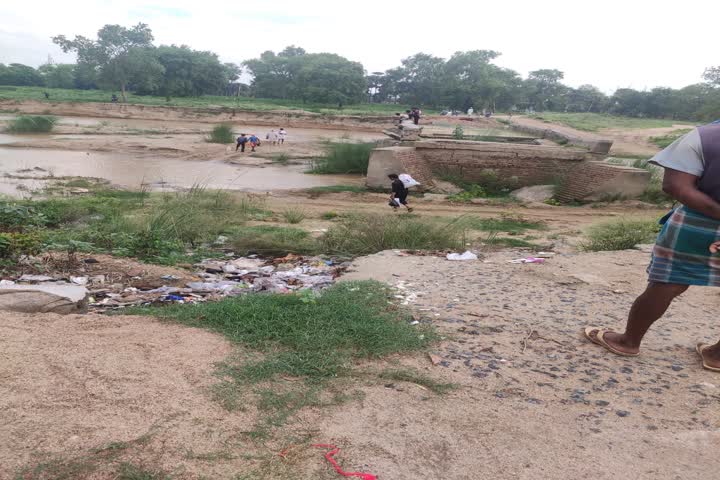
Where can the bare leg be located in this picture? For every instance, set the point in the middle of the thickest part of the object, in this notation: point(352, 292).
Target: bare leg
point(648, 307)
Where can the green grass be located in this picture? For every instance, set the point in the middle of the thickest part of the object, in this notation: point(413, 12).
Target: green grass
point(31, 124)
point(592, 122)
point(337, 189)
point(293, 215)
point(620, 235)
point(343, 158)
point(272, 240)
point(514, 224)
point(418, 378)
point(329, 215)
point(222, 133)
point(205, 101)
point(360, 234)
point(665, 140)
point(281, 158)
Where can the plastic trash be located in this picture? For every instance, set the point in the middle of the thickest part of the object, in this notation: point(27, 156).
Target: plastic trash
point(174, 298)
point(407, 180)
point(527, 260)
point(462, 256)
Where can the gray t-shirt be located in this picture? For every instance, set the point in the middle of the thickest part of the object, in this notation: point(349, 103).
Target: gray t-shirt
point(684, 155)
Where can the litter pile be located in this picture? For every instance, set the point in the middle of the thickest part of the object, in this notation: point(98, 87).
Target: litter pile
point(212, 279)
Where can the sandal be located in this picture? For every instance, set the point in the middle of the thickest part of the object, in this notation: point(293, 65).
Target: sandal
point(598, 339)
point(699, 348)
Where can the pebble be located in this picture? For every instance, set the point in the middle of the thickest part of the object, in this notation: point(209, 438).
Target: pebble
point(622, 413)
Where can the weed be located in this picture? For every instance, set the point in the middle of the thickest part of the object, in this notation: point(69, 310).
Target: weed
point(505, 223)
point(32, 124)
point(418, 378)
point(343, 158)
point(329, 215)
point(620, 235)
point(366, 234)
point(665, 140)
point(458, 133)
point(293, 215)
point(281, 158)
point(272, 240)
point(222, 133)
point(128, 471)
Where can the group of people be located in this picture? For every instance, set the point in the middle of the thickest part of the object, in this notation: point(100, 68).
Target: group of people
point(275, 137)
point(413, 115)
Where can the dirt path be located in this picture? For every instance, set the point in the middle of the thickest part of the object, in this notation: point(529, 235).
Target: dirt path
point(629, 142)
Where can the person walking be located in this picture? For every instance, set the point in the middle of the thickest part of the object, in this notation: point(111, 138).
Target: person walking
point(399, 193)
point(282, 133)
point(254, 142)
point(272, 136)
point(686, 250)
point(241, 141)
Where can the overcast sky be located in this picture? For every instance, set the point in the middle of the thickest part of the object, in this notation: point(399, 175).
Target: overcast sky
point(611, 44)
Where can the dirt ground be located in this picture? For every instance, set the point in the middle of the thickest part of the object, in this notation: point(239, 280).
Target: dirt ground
point(533, 400)
point(629, 142)
point(82, 394)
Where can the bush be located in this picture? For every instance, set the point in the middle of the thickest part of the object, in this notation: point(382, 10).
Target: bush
point(272, 240)
point(620, 235)
point(32, 124)
point(13, 245)
point(222, 133)
point(293, 215)
point(344, 158)
point(458, 133)
point(366, 234)
point(16, 218)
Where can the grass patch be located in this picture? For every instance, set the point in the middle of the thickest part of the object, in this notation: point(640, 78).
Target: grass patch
point(665, 140)
point(359, 234)
point(222, 133)
point(490, 184)
point(418, 378)
point(293, 215)
point(281, 158)
point(514, 224)
point(620, 235)
point(337, 189)
point(329, 215)
point(497, 241)
point(592, 122)
point(31, 124)
point(343, 158)
point(272, 240)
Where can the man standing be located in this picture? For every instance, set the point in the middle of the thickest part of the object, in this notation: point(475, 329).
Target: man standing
point(282, 133)
point(399, 193)
point(241, 141)
point(685, 252)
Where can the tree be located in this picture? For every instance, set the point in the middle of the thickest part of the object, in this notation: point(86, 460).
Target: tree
point(20, 75)
point(545, 92)
point(57, 76)
point(117, 54)
point(712, 76)
point(586, 98)
point(310, 77)
point(191, 72)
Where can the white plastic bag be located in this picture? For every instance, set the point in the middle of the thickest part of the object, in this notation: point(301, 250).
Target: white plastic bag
point(408, 181)
point(462, 256)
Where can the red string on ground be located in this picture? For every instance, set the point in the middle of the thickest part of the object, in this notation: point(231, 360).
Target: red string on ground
point(329, 457)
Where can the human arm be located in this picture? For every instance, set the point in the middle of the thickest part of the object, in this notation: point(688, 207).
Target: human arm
point(683, 187)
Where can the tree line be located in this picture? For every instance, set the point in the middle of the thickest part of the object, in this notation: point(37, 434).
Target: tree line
point(125, 59)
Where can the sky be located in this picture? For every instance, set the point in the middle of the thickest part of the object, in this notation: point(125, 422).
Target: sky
point(612, 44)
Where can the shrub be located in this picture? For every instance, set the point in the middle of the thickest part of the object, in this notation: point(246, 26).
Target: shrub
point(620, 235)
point(458, 133)
point(329, 215)
point(344, 158)
point(16, 218)
point(293, 215)
point(366, 234)
point(222, 133)
point(32, 124)
point(281, 158)
point(272, 240)
point(13, 245)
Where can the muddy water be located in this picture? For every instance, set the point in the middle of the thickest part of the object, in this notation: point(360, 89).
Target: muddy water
point(159, 173)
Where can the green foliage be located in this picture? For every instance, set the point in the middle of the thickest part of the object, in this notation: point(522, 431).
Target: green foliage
point(31, 124)
point(312, 77)
point(509, 223)
point(329, 215)
point(458, 132)
point(281, 158)
point(272, 240)
point(620, 235)
point(665, 140)
point(366, 234)
point(293, 215)
point(222, 133)
point(20, 75)
point(593, 122)
point(344, 158)
point(13, 245)
point(472, 191)
point(309, 339)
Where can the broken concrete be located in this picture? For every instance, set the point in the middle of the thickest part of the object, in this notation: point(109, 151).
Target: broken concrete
point(62, 299)
point(535, 193)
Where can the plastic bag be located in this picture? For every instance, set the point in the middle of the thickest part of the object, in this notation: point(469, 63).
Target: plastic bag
point(462, 256)
point(408, 181)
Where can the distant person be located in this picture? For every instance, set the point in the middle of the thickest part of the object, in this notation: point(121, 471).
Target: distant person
point(399, 193)
point(272, 136)
point(241, 141)
point(254, 141)
point(470, 111)
point(47, 95)
point(415, 115)
point(114, 98)
point(282, 134)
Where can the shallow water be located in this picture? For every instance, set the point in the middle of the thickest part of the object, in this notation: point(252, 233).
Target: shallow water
point(131, 171)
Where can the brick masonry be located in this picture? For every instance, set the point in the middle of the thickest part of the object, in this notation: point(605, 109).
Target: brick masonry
point(595, 180)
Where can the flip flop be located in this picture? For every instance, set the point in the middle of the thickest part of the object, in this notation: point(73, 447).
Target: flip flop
point(599, 340)
point(699, 348)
